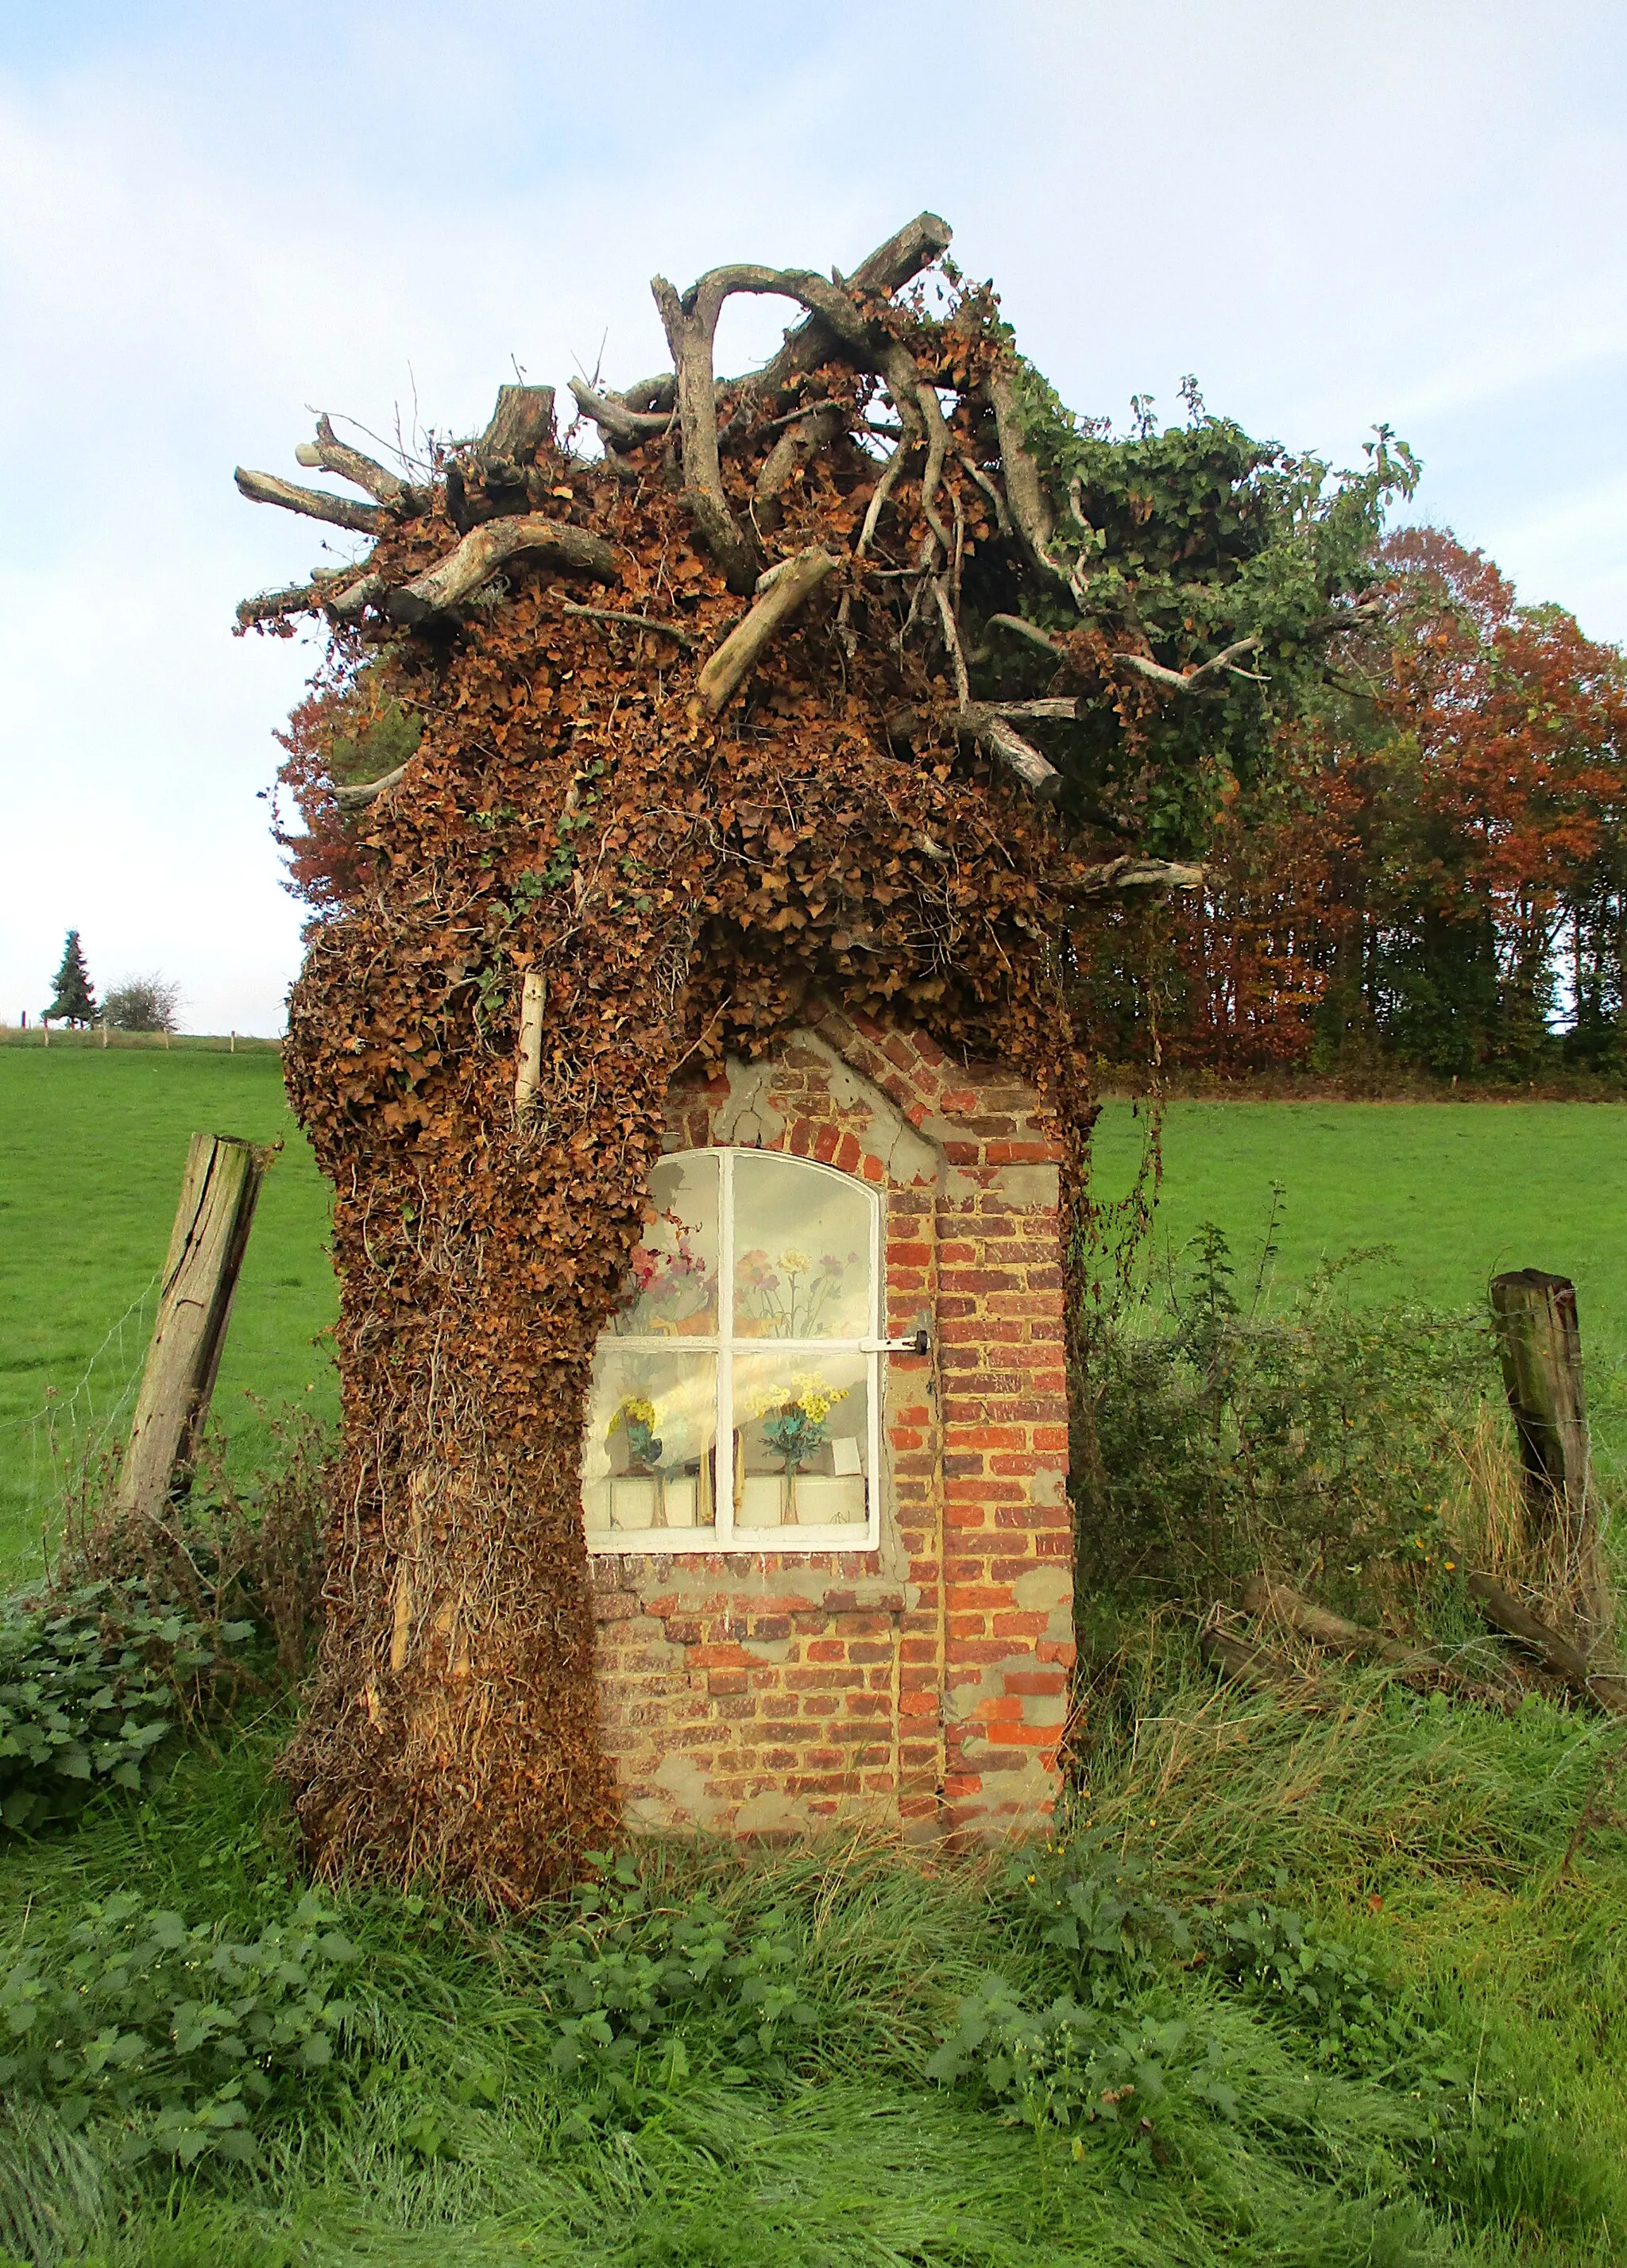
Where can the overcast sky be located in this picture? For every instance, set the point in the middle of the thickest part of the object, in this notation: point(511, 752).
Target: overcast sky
point(218, 221)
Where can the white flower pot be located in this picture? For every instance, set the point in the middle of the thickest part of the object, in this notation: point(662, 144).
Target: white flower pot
point(632, 1501)
point(824, 1500)
point(678, 1501)
point(762, 1501)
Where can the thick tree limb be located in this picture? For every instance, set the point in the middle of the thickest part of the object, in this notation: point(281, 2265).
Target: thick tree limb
point(272, 606)
point(691, 324)
point(1413, 1665)
point(1132, 874)
point(1605, 1683)
point(1204, 678)
point(358, 794)
point(1032, 631)
point(1041, 779)
point(631, 621)
point(484, 550)
point(328, 453)
point(356, 597)
point(888, 268)
point(1025, 492)
point(521, 422)
point(629, 429)
point(799, 442)
point(1257, 1667)
point(790, 587)
point(338, 512)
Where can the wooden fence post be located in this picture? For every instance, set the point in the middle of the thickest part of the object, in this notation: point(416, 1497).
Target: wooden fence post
point(1539, 1342)
point(217, 1197)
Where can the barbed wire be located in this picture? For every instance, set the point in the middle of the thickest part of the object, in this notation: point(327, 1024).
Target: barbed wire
point(77, 1427)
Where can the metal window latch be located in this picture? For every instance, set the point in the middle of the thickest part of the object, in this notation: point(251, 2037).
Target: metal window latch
point(918, 1343)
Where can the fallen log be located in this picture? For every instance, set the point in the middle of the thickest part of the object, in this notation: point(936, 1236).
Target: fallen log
point(1413, 1665)
point(1260, 1669)
point(1600, 1682)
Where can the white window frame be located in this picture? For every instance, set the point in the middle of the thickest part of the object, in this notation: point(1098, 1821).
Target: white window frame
point(792, 1540)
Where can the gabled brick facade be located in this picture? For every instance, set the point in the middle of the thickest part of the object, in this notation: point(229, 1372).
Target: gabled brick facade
point(924, 1685)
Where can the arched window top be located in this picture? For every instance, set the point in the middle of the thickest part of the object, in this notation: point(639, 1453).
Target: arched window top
point(754, 1323)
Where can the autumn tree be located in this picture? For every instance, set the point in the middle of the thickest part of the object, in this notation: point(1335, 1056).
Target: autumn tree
point(871, 673)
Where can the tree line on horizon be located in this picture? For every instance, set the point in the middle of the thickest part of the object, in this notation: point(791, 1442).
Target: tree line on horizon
point(138, 1003)
point(1429, 875)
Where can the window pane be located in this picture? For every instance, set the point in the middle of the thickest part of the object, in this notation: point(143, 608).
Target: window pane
point(651, 1423)
point(801, 1440)
point(675, 1268)
point(802, 1252)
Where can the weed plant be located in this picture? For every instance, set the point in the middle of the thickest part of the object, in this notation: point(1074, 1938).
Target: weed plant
point(1270, 2004)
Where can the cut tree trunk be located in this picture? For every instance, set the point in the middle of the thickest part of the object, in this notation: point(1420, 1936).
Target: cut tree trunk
point(218, 1197)
point(1539, 1342)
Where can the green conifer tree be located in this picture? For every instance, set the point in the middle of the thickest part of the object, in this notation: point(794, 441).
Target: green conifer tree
point(74, 1002)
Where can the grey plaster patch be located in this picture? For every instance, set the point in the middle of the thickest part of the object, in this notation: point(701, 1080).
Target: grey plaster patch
point(1024, 1188)
point(692, 1582)
point(1049, 1488)
point(773, 1813)
point(767, 1649)
point(1009, 1760)
point(1049, 1589)
point(1043, 1587)
point(683, 1779)
point(962, 1699)
point(747, 1119)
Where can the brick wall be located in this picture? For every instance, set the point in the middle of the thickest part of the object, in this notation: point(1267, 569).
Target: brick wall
point(923, 1685)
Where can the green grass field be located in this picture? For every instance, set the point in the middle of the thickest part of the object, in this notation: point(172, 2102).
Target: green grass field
point(93, 1142)
point(1478, 1862)
point(92, 1147)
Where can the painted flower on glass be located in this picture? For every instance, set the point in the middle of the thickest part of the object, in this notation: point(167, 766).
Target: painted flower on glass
point(789, 1301)
point(672, 1283)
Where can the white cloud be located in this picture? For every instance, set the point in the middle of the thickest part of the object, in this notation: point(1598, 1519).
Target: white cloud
point(217, 218)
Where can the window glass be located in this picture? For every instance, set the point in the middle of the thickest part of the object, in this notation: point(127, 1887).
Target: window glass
point(651, 1429)
point(675, 1268)
point(802, 1440)
point(801, 1251)
point(750, 1323)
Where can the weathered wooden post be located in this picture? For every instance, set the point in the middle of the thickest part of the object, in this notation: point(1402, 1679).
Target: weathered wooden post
point(218, 1197)
point(1539, 1342)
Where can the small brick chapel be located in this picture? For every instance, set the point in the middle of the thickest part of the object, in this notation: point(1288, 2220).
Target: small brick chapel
point(861, 1612)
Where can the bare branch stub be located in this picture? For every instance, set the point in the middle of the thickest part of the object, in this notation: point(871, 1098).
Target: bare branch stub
point(338, 512)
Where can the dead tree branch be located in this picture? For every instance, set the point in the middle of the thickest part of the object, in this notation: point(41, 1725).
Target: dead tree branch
point(1201, 680)
point(522, 420)
point(1025, 490)
point(338, 512)
point(691, 325)
point(1130, 872)
point(623, 620)
point(627, 429)
point(356, 795)
point(327, 454)
point(273, 606)
point(888, 270)
point(793, 584)
point(1040, 778)
point(484, 550)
